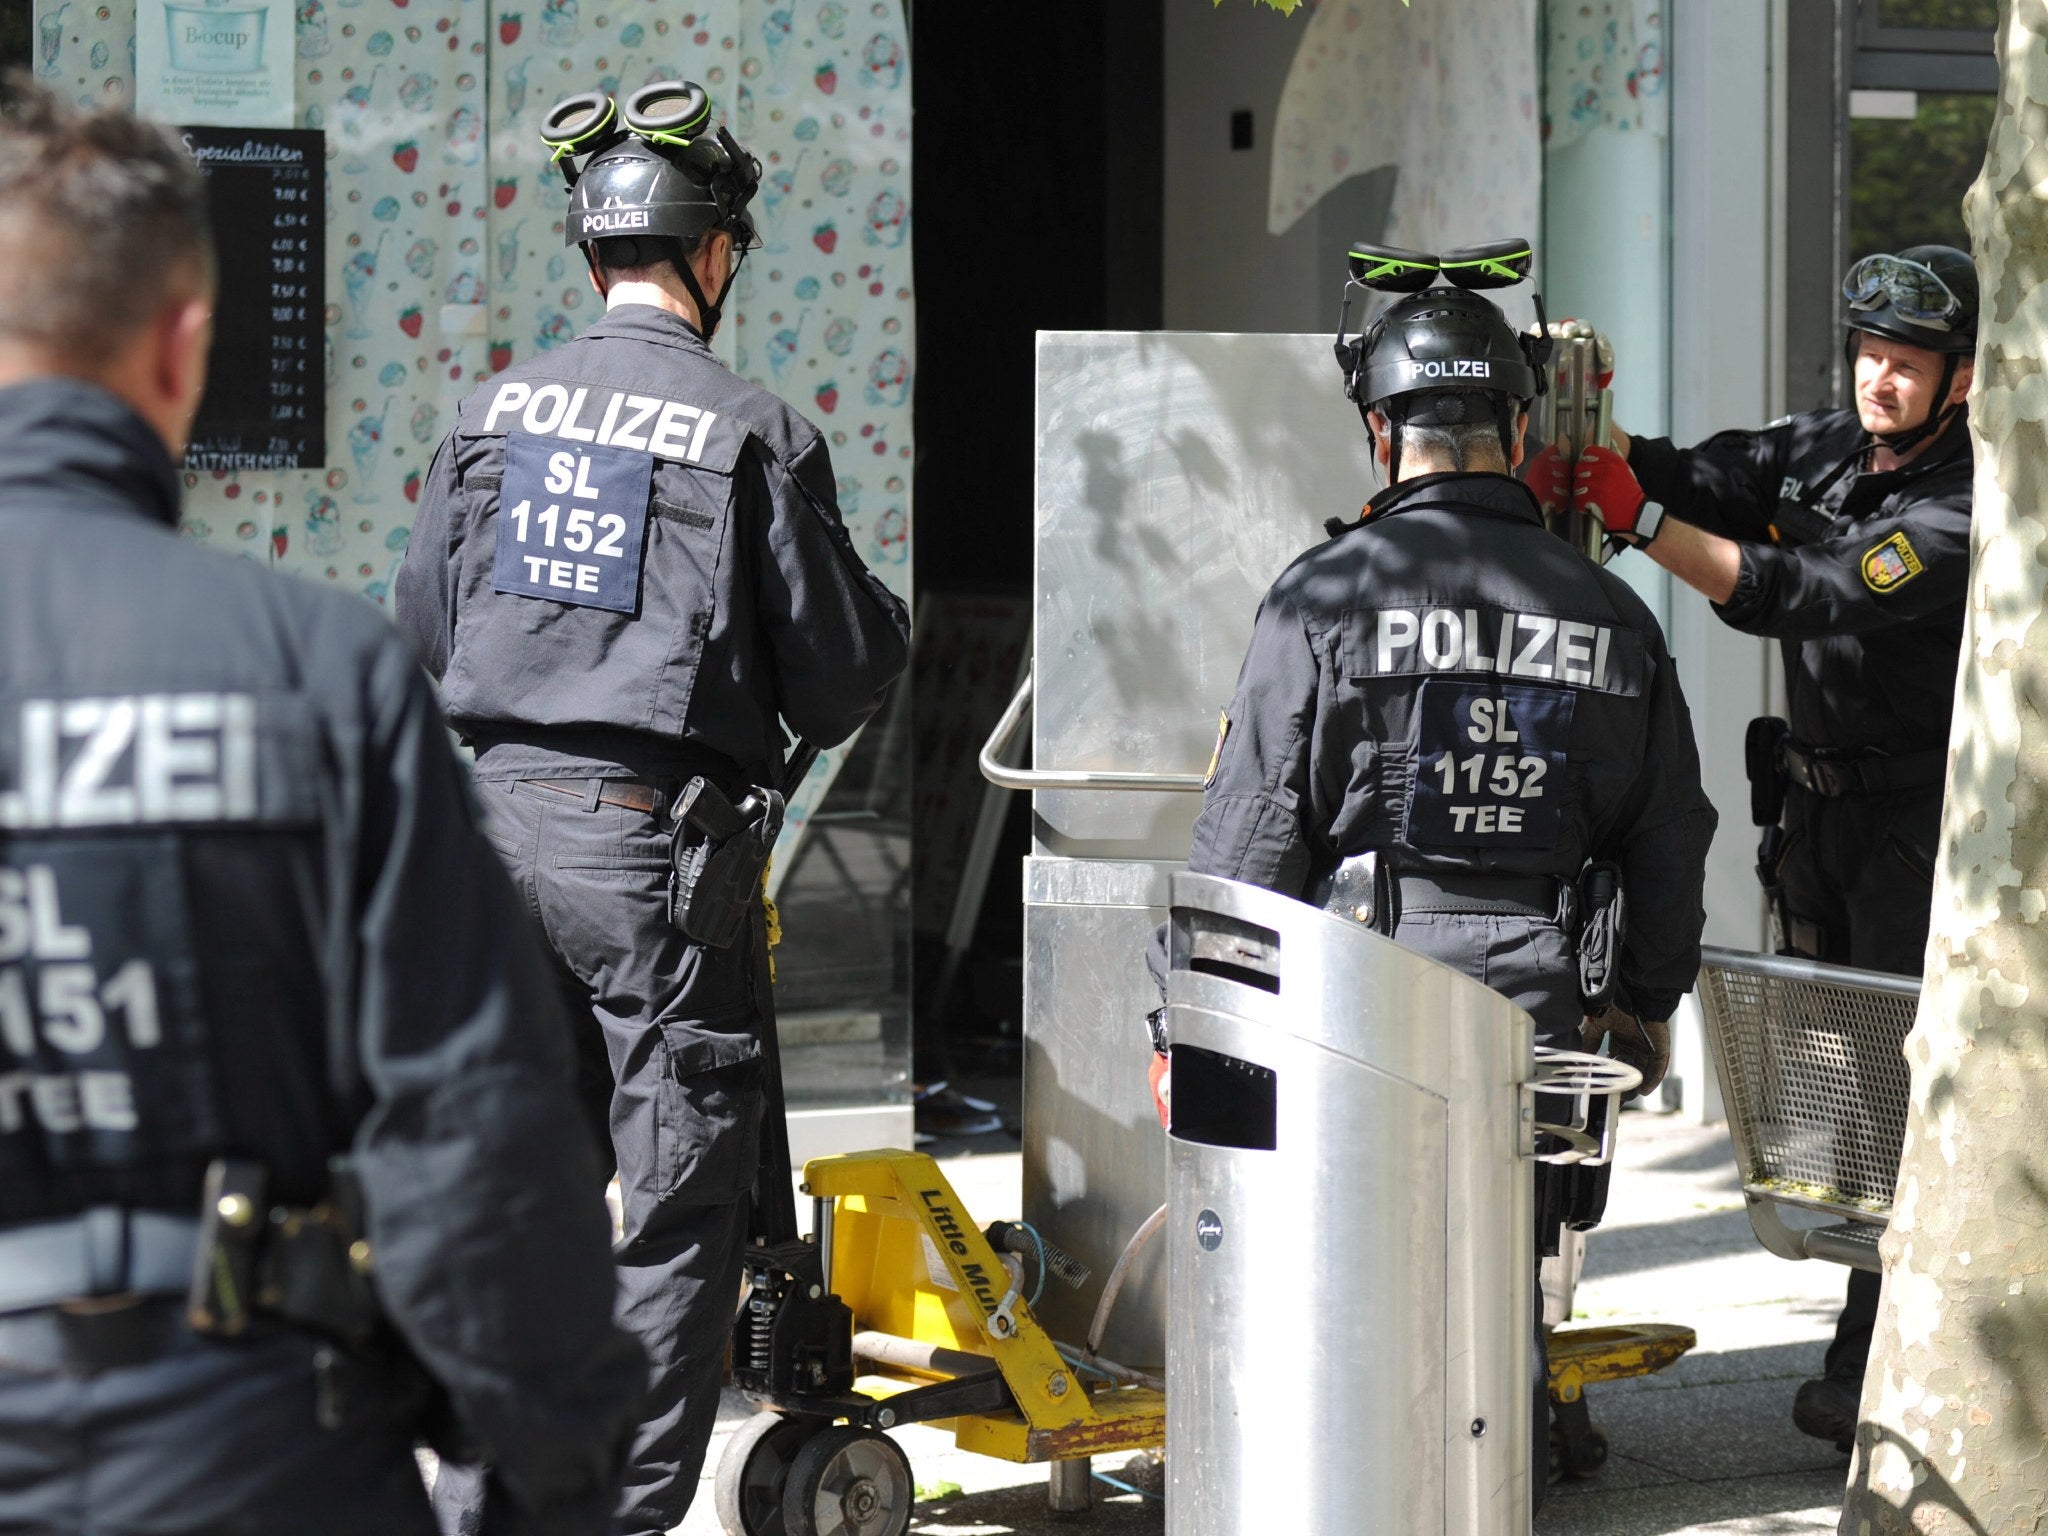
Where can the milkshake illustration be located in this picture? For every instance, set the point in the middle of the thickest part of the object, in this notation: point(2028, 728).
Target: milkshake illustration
point(358, 273)
point(782, 347)
point(508, 251)
point(364, 437)
point(515, 89)
point(50, 37)
point(775, 189)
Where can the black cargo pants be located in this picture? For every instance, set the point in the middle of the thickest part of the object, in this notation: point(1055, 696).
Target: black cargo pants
point(1858, 879)
point(670, 1072)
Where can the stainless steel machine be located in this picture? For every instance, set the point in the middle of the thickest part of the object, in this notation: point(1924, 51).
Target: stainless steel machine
point(1349, 1232)
point(1178, 474)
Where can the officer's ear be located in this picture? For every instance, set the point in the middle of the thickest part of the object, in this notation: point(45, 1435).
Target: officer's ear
point(1959, 390)
point(1516, 455)
point(1376, 422)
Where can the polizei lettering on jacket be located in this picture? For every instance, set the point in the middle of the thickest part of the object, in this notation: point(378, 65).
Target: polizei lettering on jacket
point(609, 418)
point(133, 760)
point(947, 1226)
point(1421, 641)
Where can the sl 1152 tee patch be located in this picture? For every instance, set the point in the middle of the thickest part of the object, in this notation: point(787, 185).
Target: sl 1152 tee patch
point(572, 522)
point(1891, 564)
point(1489, 765)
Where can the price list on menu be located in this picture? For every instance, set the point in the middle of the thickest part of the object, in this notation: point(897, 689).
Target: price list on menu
point(266, 391)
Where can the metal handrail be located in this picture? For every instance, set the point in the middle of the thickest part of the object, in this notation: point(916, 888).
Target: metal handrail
point(996, 771)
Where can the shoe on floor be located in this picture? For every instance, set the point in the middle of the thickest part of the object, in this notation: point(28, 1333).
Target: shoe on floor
point(1826, 1409)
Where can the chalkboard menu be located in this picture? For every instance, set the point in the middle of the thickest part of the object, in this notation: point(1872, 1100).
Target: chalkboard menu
point(266, 390)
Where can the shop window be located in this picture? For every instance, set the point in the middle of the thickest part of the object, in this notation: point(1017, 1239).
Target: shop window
point(1909, 168)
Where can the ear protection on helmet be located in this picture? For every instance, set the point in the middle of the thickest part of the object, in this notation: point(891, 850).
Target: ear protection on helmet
point(1390, 269)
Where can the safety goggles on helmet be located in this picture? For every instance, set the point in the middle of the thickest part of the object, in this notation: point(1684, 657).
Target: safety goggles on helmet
point(1389, 269)
point(1913, 291)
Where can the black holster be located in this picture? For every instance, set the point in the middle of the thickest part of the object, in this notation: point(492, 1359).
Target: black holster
point(717, 855)
point(304, 1265)
point(1763, 760)
point(1603, 927)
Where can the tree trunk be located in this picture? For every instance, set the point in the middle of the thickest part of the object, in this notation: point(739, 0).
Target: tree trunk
point(1954, 1433)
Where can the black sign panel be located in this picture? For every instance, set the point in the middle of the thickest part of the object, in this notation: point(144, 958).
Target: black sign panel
point(1489, 765)
point(266, 389)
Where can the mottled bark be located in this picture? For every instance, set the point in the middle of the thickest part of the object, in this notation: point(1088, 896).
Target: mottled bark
point(1954, 1435)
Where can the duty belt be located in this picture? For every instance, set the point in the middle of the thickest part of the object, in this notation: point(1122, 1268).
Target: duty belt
point(1832, 777)
point(1492, 895)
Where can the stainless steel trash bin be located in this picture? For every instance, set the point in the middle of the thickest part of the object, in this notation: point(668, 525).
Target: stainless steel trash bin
point(1349, 1230)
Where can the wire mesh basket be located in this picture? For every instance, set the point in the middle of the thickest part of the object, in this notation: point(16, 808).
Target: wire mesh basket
point(1813, 1071)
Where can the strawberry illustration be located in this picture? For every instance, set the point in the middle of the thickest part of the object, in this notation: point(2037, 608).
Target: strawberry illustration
point(409, 321)
point(828, 396)
point(827, 78)
point(825, 237)
point(406, 156)
point(412, 486)
point(506, 189)
point(508, 28)
point(280, 540)
point(501, 356)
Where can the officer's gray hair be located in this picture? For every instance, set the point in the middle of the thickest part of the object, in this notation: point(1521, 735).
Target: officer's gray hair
point(1468, 445)
point(102, 223)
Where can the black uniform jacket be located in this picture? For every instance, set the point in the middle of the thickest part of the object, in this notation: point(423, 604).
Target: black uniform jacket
point(244, 910)
point(1453, 687)
point(623, 546)
point(1870, 610)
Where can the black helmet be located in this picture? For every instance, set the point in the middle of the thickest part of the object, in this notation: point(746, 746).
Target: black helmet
point(654, 172)
point(636, 189)
point(1440, 358)
point(1925, 296)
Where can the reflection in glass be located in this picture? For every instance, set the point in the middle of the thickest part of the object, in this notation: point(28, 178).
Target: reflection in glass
point(1907, 176)
point(1937, 13)
point(842, 983)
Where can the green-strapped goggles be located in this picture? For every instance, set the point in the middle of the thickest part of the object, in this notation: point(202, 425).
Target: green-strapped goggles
point(1389, 269)
point(672, 112)
point(1914, 292)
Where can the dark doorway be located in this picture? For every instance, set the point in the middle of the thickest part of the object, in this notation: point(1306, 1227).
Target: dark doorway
point(1036, 180)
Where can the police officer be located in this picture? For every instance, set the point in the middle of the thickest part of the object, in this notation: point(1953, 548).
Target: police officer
point(627, 561)
point(247, 926)
point(1844, 534)
point(1449, 689)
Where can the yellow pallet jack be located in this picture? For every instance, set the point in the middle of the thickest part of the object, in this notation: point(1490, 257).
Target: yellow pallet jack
point(899, 1310)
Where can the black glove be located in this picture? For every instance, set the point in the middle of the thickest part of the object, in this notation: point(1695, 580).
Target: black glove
point(1644, 1044)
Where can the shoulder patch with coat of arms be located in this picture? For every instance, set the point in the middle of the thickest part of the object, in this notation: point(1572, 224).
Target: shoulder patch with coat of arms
point(1891, 564)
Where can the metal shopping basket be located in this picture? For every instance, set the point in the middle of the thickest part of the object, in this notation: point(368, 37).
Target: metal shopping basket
point(1812, 1064)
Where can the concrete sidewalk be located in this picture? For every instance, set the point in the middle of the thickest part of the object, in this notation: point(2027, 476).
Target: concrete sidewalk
point(1706, 1446)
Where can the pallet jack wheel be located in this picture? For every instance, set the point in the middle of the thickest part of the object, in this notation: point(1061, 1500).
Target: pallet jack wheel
point(754, 1470)
point(848, 1482)
point(1578, 1446)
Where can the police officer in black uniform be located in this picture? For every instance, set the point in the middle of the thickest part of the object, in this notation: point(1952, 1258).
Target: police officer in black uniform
point(627, 563)
point(1449, 687)
point(1845, 534)
point(247, 927)
point(1451, 690)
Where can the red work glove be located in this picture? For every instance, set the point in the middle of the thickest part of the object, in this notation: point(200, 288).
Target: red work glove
point(1550, 478)
point(1160, 1076)
point(1605, 488)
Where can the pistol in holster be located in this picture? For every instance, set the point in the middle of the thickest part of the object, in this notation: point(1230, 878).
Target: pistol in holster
point(1603, 927)
point(718, 852)
point(1763, 759)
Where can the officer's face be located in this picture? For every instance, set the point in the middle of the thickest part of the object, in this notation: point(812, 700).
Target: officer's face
point(1895, 384)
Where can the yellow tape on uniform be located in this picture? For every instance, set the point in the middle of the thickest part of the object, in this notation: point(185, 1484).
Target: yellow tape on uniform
point(1891, 564)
